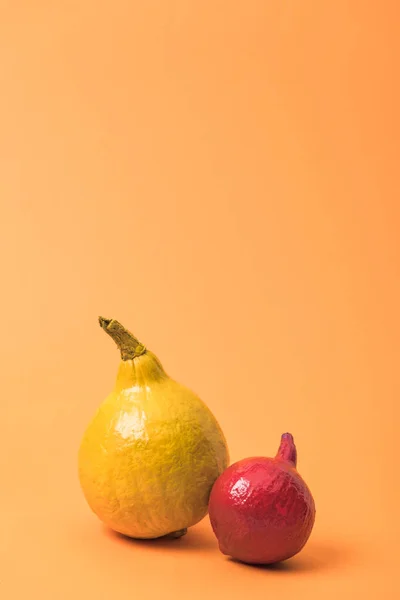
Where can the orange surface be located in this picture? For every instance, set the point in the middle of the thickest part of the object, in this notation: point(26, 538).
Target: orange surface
point(223, 178)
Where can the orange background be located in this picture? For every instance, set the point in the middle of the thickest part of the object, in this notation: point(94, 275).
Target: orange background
point(223, 178)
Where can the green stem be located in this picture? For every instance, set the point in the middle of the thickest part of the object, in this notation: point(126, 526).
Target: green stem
point(129, 346)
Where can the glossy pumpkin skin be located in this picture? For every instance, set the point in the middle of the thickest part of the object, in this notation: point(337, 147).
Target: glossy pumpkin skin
point(150, 456)
point(261, 510)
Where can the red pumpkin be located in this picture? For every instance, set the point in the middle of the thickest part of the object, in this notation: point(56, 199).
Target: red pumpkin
point(260, 509)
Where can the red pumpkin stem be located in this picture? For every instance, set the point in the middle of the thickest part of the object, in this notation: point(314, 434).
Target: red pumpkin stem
point(287, 450)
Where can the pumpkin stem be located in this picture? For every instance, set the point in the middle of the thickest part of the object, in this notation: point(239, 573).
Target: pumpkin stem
point(287, 450)
point(129, 346)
